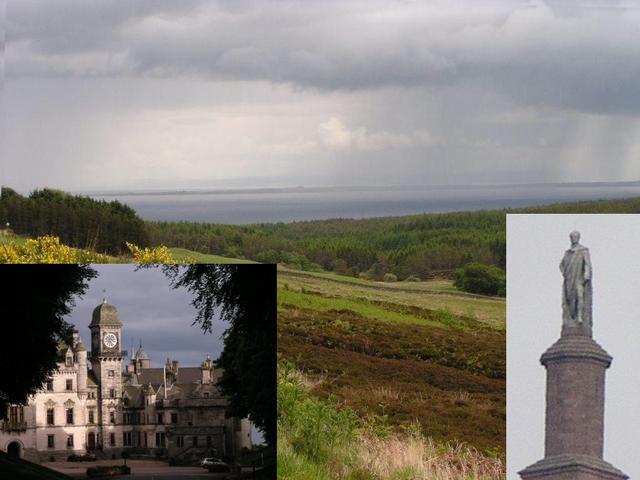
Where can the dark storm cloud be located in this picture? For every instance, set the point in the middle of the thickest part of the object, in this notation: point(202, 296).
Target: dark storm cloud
point(150, 311)
point(557, 53)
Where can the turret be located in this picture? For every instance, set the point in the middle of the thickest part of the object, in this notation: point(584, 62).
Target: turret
point(149, 395)
point(81, 355)
point(206, 368)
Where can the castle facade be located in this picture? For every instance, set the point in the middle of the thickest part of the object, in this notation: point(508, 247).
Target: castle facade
point(94, 403)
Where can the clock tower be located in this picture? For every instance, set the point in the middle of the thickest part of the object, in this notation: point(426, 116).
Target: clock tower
point(106, 362)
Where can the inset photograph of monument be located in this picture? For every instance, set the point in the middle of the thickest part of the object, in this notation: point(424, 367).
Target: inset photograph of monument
point(163, 370)
point(572, 329)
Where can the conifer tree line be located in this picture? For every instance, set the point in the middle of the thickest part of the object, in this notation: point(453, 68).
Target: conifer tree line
point(78, 221)
point(416, 246)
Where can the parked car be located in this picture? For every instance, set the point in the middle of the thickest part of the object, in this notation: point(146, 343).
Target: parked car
point(208, 461)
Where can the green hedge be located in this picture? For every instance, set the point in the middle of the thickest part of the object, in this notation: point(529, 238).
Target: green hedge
point(481, 279)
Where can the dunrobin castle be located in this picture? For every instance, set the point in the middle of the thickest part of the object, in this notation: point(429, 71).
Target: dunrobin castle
point(93, 404)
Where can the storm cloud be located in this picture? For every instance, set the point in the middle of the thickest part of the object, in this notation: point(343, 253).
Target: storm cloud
point(103, 94)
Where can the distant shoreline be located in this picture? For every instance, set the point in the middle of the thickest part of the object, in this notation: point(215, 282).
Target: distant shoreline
point(350, 188)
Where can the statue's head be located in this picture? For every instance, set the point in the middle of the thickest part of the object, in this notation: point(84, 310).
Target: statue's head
point(574, 236)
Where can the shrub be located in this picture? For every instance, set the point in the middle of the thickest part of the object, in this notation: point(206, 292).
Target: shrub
point(412, 278)
point(481, 279)
point(47, 249)
point(153, 255)
point(390, 277)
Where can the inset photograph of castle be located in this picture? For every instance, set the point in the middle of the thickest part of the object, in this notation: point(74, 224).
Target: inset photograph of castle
point(164, 369)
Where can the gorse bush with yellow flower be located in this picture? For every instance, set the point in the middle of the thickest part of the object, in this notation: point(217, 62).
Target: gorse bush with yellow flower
point(154, 255)
point(48, 249)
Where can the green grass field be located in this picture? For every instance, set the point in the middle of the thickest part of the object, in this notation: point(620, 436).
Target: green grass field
point(182, 254)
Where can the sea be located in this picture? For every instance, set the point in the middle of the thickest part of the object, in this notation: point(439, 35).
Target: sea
point(271, 205)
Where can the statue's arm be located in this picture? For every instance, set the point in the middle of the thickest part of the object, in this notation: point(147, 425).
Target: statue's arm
point(562, 262)
point(587, 265)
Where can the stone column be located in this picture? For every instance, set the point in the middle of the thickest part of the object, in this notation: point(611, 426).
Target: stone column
point(576, 367)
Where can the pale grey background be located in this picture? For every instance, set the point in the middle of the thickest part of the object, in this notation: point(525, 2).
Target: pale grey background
point(535, 245)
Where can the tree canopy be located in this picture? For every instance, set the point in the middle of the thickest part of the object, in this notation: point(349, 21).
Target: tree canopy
point(245, 297)
point(35, 299)
point(78, 221)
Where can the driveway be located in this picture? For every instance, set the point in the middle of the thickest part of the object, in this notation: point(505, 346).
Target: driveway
point(140, 469)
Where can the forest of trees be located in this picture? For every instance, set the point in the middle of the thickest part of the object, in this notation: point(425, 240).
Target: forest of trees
point(78, 221)
point(404, 246)
point(408, 247)
point(416, 245)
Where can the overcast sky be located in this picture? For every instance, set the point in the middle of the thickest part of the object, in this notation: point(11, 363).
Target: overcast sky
point(161, 93)
point(150, 310)
point(535, 246)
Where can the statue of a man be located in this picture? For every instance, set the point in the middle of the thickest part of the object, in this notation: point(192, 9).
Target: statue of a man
point(576, 290)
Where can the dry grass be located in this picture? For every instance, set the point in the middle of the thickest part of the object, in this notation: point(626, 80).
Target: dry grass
point(420, 458)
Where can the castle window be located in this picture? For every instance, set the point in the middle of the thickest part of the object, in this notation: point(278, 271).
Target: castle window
point(50, 416)
point(160, 419)
point(16, 414)
point(69, 361)
point(112, 393)
point(160, 439)
point(112, 439)
point(174, 418)
point(126, 439)
point(194, 441)
point(112, 373)
point(112, 417)
point(206, 394)
point(49, 385)
point(69, 385)
point(50, 441)
point(70, 416)
point(208, 440)
point(70, 441)
point(91, 416)
point(180, 441)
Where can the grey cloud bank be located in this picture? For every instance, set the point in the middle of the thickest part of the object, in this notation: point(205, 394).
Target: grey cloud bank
point(117, 94)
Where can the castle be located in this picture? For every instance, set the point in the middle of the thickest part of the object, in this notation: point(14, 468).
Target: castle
point(92, 404)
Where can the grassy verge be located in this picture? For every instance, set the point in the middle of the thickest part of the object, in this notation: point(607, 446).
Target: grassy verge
point(184, 255)
point(18, 469)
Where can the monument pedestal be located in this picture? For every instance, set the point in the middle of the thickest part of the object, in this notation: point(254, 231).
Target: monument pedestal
point(576, 367)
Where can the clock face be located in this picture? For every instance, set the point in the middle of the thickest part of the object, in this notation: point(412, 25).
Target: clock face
point(110, 340)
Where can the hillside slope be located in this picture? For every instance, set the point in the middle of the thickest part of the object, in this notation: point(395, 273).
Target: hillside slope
point(401, 358)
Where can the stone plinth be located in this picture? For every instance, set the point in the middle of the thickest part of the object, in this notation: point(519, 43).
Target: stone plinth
point(576, 367)
point(572, 467)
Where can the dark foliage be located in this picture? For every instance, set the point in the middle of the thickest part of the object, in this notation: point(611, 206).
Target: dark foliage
point(78, 221)
point(35, 298)
point(481, 279)
point(244, 296)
